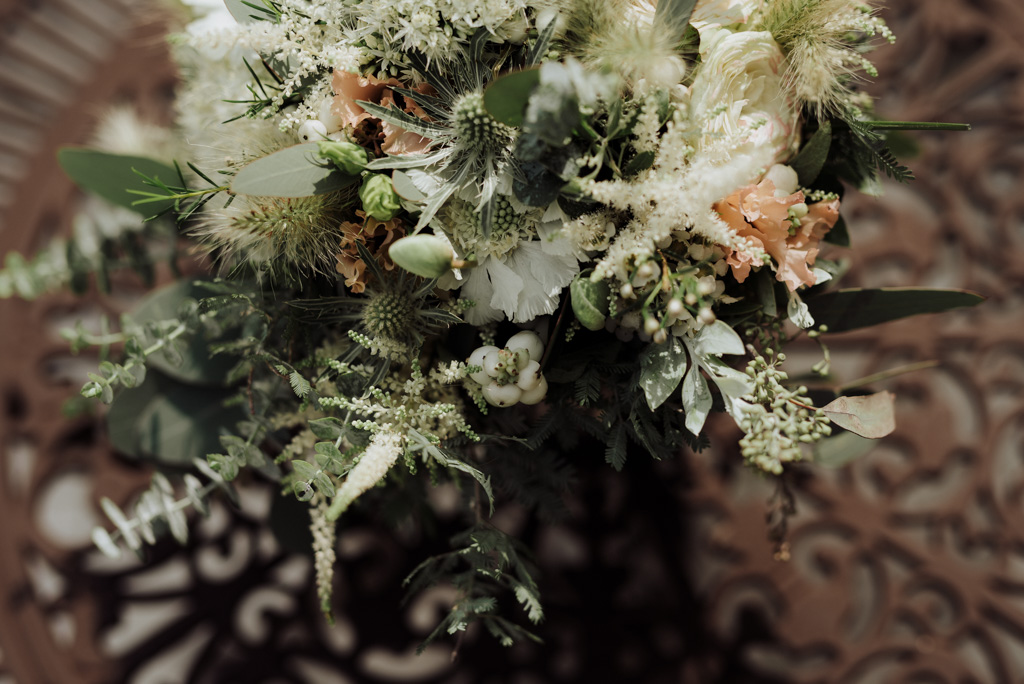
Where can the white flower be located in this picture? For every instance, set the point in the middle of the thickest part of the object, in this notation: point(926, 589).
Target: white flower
point(718, 13)
point(739, 93)
point(520, 286)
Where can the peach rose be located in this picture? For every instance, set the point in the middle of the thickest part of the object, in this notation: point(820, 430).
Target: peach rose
point(755, 213)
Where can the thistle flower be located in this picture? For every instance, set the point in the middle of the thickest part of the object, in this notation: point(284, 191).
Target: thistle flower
point(274, 235)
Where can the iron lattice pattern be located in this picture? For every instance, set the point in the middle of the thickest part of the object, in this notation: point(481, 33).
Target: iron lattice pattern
point(906, 567)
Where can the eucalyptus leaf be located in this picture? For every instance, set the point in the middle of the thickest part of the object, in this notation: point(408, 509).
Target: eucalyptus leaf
point(198, 366)
point(661, 368)
point(717, 339)
point(843, 310)
point(872, 416)
point(506, 97)
point(295, 171)
point(170, 423)
point(111, 176)
point(838, 450)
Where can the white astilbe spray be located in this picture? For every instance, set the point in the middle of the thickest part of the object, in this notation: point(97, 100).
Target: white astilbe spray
point(324, 539)
point(382, 453)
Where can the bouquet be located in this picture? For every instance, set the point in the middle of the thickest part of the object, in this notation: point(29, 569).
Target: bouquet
point(416, 241)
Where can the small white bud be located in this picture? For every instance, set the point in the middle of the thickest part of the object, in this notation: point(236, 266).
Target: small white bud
point(707, 316)
point(799, 210)
point(651, 325)
point(675, 308)
point(660, 337)
point(626, 291)
point(784, 178)
point(312, 130)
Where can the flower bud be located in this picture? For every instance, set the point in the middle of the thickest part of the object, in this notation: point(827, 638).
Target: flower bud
point(379, 197)
point(348, 157)
point(590, 302)
point(425, 255)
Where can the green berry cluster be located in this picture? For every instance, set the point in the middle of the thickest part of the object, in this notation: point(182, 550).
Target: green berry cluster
point(780, 420)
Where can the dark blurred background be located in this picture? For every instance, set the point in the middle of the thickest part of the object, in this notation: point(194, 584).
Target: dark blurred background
point(907, 566)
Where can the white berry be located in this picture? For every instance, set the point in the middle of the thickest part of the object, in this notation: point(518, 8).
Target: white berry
point(528, 340)
point(529, 377)
point(312, 130)
point(536, 395)
point(503, 395)
point(477, 359)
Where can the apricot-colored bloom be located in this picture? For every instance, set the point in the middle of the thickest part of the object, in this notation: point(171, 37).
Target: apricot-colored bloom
point(348, 88)
point(376, 236)
point(755, 213)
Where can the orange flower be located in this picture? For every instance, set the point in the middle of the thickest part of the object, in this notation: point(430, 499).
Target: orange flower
point(376, 236)
point(755, 213)
point(348, 88)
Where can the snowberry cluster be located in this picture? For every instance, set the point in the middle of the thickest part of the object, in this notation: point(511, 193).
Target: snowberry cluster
point(511, 375)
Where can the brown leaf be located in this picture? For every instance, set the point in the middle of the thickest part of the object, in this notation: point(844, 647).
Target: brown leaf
point(871, 416)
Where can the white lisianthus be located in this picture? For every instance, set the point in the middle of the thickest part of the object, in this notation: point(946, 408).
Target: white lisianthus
point(739, 95)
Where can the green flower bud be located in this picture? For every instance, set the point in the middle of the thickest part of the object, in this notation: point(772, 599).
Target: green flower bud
point(424, 255)
point(589, 301)
point(379, 197)
point(348, 157)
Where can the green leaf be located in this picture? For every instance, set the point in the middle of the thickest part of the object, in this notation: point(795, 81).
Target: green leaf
point(299, 384)
point(674, 16)
point(839, 235)
point(851, 309)
point(640, 162)
point(506, 97)
point(661, 368)
point(198, 366)
point(589, 301)
point(111, 176)
point(872, 416)
point(446, 460)
point(304, 470)
point(295, 171)
point(170, 423)
point(327, 428)
point(809, 162)
point(697, 399)
point(838, 450)
point(615, 453)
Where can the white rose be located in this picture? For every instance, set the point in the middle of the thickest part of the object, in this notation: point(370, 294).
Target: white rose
point(739, 97)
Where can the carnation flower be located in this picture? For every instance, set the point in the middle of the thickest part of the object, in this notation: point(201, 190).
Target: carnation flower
point(771, 223)
point(350, 88)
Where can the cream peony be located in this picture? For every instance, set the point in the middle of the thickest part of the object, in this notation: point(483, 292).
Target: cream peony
point(738, 95)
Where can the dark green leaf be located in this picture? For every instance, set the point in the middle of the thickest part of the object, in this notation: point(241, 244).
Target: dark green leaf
point(111, 176)
point(640, 162)
point(506, 97)
point(294, 171)
point(809, 162)
point(839, 235)
point(673, 16)
point(851, 309)
point(327, 428)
